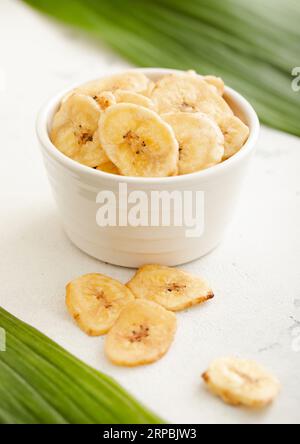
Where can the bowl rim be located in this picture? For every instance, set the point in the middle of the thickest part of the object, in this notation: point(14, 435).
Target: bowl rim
point(43, 121)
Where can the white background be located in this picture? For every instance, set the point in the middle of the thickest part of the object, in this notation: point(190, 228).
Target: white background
point(255, 273)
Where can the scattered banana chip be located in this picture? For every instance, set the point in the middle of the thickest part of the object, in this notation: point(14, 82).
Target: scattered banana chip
point(241, 382)
point(74, 130)
point(142, 334)
point(138, 141)
point(95, 302)
point(108, 167)
point(217, 82)
point(201, 142)
point(186, 92)
point(236, 134)
point(131, 81)
point(172, 288)
point(123, 96)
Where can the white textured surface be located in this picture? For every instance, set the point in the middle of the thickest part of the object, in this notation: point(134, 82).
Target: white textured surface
point(255, 272)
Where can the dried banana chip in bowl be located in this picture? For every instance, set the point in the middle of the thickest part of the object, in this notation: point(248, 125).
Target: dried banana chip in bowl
point(74, 130)
point(138, 141)
point(132, 81)
point(108, 167)
point(90, 129)
point(186, 92)
point(235, 133)
point(217, 83)
point(201, 142)
point(105, 100)
point(124, 96)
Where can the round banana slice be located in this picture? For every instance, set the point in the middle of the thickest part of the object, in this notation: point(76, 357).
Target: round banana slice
point(236, 134)
point(172, 288)
point(74, 130)
point(108, 167)
point(131, 81)
point(217, 82)
point(105, 100)
point(187, 92)
point(241, 382)
point(201, 142)
point(138, 141)
point(123, 96)
point(95, 302)
point(142, 334)
point(149, 89)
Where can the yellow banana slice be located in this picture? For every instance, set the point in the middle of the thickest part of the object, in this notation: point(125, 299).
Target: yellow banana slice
point(217, 82)
point(149, 89)
point(172, 288)
point(187, 92)
point(236, 134)
point(108, 167)
point(201, 142)
point(142, 334)
point(138, 141)
point(74, 130)
point(123, 96)
point(131, 81)
point(241, 382)
point(95, 302)
point(105, 100)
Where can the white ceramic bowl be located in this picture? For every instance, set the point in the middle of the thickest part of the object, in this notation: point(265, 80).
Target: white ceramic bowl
point(75, 188)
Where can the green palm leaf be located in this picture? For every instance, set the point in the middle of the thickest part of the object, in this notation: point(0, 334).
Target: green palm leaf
point(253, 45)
point(41, 383)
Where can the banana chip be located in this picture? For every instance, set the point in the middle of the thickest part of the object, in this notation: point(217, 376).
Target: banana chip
point(217, 82)
point(126, 124)
point(149, 89)
point(142, 334)
point(236, 134)
point(131, 81)
point(95, 302)
point(138, 141)
point(241, 382)
point(214, 81)
point(187, 92)
point(172, 288)
point(74, 130)
point(201, 142)
point(105, 100)
point(108, 167)
point(123, 96)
